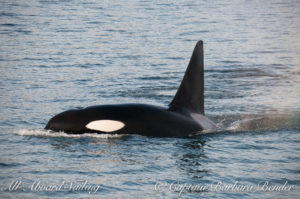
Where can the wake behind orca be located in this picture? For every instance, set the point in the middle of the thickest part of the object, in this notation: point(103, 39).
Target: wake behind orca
point(184, 116)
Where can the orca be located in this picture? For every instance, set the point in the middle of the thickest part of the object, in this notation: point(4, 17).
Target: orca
point(184, 117)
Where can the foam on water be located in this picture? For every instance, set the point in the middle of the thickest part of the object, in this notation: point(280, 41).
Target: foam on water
point(274, 121)
point(49, 133)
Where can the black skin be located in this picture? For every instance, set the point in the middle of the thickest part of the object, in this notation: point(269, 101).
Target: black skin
point(139, 119)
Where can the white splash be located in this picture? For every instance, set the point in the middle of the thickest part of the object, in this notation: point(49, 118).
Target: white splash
point(49, 133)
point(266, 121)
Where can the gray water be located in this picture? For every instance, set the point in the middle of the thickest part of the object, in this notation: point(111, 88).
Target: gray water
point(59, 55)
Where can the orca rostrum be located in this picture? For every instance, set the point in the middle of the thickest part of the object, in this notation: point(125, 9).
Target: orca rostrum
point(184, 117)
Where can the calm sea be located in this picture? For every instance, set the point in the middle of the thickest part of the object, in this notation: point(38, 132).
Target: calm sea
point(57, 55)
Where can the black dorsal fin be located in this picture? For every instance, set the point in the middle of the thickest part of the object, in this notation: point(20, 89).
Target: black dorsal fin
point(190, 94)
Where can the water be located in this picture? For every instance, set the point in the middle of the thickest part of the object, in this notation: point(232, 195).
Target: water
point(58, 55)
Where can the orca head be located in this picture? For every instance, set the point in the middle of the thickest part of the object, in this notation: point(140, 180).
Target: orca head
point(68, 121)
point(85, 120)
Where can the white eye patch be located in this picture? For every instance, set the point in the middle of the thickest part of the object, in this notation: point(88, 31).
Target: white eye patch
point(105, 125)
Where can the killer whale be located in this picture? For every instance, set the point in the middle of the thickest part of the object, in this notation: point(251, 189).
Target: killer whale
point(184, 117)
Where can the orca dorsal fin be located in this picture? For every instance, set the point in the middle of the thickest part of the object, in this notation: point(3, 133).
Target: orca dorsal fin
point(190, 94)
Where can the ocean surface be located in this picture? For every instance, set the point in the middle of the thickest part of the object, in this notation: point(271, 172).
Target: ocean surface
point(57, 55)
